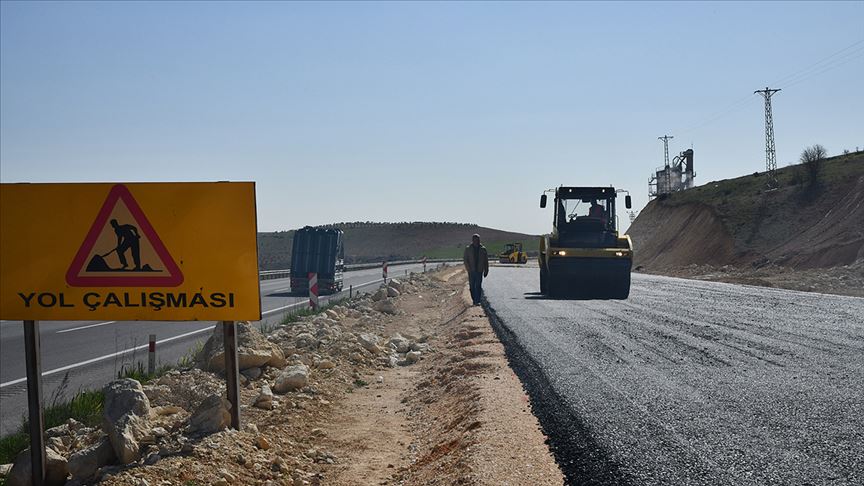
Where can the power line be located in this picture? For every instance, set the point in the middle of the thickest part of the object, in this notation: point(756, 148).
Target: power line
point(851, 56)
point(733, 107)
point(789, 77)
point(832, 61)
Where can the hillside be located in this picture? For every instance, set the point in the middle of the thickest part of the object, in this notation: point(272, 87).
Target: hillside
point(374, 242)
point(804, 235)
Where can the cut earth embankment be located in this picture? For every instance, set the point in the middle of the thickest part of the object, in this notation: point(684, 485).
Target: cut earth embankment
point(808, 234)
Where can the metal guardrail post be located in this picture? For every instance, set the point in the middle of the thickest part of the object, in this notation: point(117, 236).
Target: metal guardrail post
point(151, 355)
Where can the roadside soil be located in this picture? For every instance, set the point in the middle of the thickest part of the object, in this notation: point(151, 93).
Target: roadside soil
point(845, 280)
point(460, 416)
point(457, 416)
point(800, 236)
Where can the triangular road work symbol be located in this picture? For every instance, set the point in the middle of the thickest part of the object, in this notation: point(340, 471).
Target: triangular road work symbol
point(122, 249)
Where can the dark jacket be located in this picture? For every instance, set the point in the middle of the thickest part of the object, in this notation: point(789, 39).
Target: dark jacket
point(468, 259)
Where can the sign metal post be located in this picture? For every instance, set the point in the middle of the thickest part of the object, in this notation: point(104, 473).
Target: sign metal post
point(34, 401)
point(232, 370)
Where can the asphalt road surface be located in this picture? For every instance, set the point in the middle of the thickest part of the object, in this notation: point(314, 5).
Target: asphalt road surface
point(691, 382)
point(83, 355)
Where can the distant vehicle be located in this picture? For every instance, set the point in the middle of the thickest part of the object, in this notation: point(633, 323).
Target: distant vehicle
point(584, 256)
point(321, 251)
point(513, 254)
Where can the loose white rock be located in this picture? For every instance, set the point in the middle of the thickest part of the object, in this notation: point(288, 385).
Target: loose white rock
point(292, 378)
point(369, 342)
point(265, 398)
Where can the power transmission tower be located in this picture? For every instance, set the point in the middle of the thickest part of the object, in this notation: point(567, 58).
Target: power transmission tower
point(770, 152)
point(664, 185)
point(665, 139)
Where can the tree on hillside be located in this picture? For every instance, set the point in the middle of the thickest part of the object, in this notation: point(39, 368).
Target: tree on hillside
point(812, 158)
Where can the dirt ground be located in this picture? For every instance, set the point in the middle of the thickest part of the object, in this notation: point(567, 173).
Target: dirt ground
point(457, 416)
point(798, 237)
point(845, 280)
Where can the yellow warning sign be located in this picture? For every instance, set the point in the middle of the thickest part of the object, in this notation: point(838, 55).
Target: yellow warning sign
point(138, 251)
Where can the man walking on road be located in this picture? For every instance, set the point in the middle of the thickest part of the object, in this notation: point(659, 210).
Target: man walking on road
point(476, 260)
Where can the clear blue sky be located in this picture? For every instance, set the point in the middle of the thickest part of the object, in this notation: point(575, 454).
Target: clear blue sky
point(418, 111)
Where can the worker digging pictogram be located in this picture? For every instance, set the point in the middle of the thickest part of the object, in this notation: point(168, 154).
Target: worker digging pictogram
point(127, 239)
point(123, 249)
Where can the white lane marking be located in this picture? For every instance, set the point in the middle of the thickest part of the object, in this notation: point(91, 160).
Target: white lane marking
point(107, 356)
point(143, 346)
point(372, 282)
point(85, 327)
point(280, 290)
point(271, 311)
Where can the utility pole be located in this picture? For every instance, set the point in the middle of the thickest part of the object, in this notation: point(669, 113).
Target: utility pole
point(770, 152)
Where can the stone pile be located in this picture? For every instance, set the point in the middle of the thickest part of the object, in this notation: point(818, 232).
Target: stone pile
point(174, 413)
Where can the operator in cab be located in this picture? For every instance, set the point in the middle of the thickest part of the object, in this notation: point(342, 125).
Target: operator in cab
point(596, 210)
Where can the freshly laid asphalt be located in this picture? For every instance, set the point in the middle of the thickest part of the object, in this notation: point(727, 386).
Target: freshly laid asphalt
point(80, 355)
point(690, 382)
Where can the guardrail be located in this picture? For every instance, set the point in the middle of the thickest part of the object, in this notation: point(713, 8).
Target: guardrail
point(268, 274)
point(283, 273)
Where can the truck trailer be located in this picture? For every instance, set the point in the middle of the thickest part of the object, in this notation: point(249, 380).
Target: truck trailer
point(321, 251)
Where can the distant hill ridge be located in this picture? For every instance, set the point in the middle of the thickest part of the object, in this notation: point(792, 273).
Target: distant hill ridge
point(367, 241)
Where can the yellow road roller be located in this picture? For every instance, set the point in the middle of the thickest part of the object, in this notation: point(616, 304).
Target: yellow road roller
point(513, 254)
point(584, 256)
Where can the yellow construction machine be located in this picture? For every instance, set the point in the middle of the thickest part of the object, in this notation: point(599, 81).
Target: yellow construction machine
point(513, 254)
point(584, 256)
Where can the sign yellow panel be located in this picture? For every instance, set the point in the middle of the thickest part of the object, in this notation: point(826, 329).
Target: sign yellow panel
point(138, 251)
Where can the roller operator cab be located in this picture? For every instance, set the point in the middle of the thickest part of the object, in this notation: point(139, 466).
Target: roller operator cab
point(584, 256)
point(317, 250)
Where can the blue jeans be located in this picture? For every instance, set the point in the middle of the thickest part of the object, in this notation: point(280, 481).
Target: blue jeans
point(475, 283)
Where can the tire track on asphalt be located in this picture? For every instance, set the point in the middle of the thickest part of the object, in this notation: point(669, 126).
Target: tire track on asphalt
point(581, 457)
